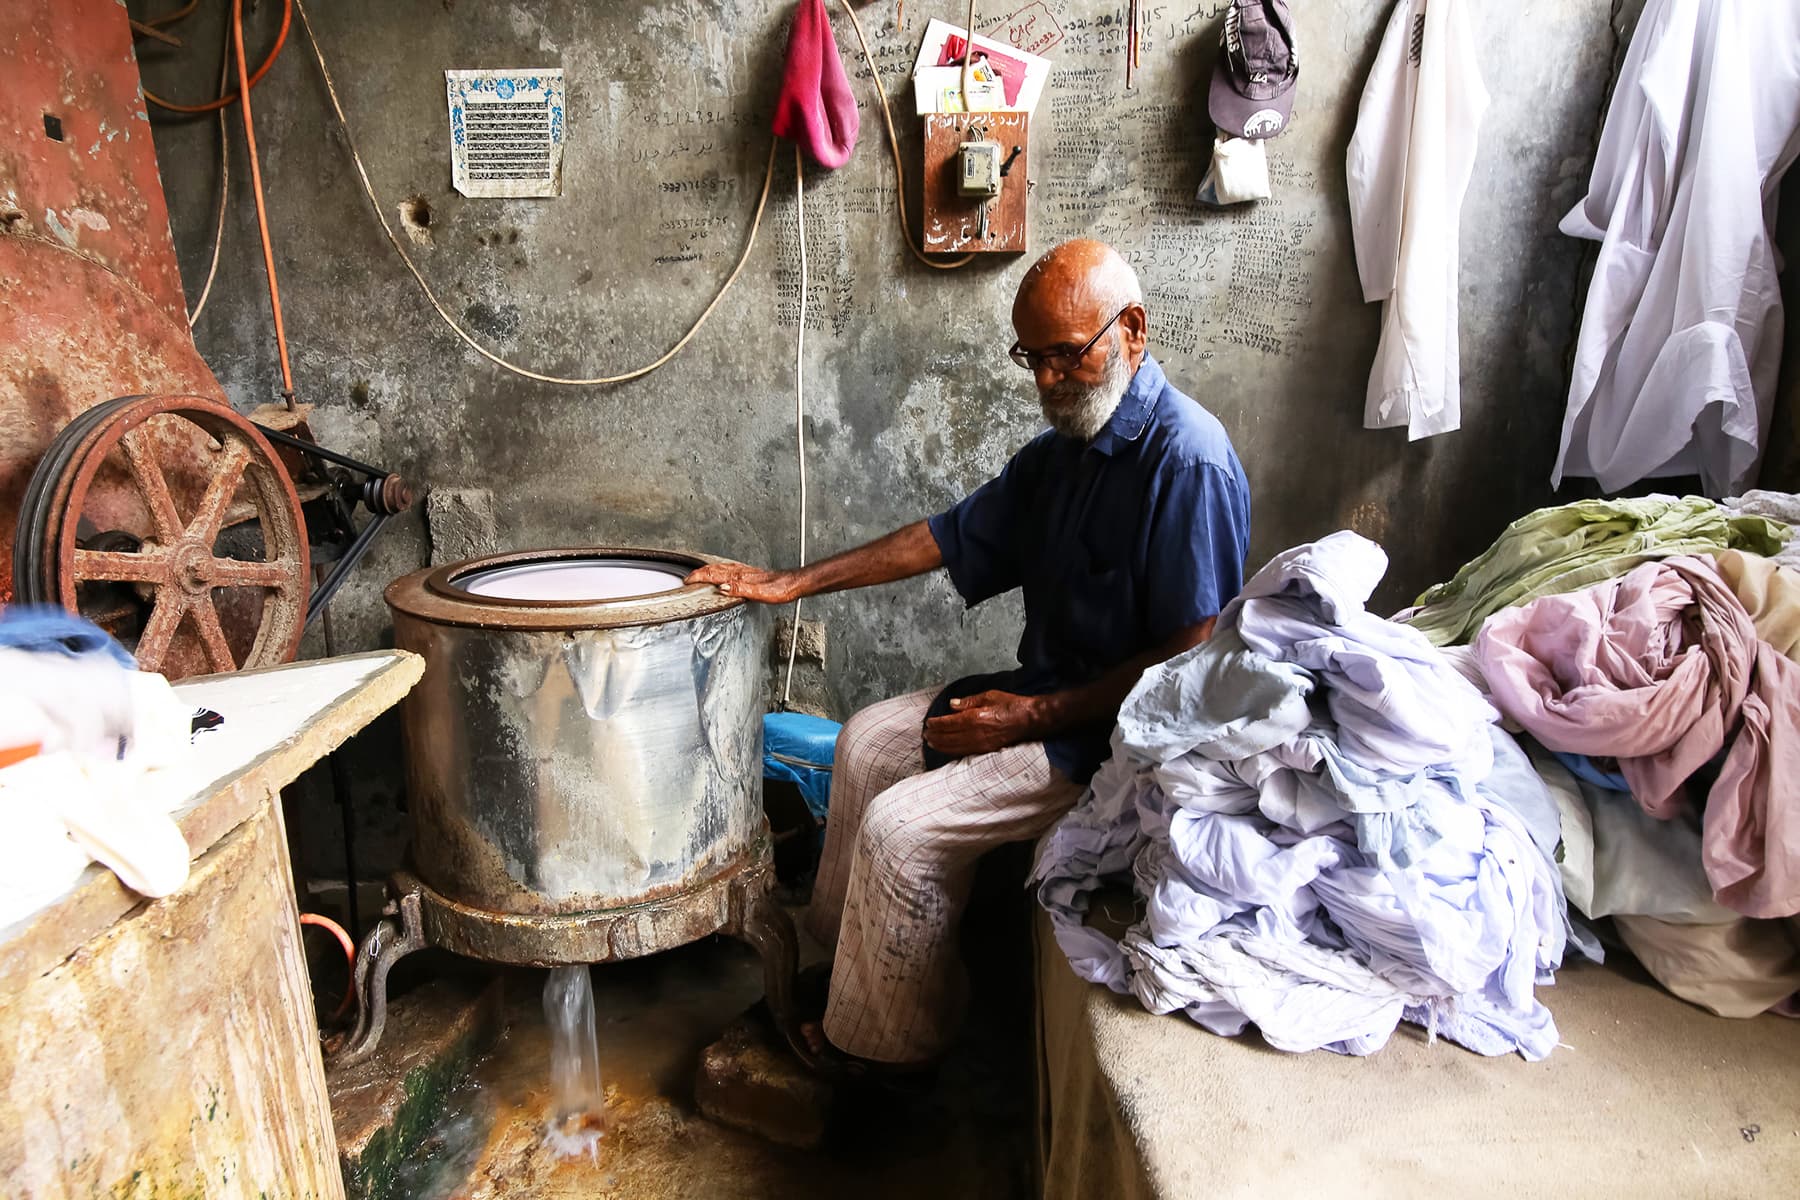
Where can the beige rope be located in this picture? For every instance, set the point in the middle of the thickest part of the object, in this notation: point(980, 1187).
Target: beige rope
point(894, 144)
point(787, 689)
point(212, 270)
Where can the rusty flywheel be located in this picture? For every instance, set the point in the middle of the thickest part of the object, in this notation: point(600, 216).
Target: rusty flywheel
point(169, 521)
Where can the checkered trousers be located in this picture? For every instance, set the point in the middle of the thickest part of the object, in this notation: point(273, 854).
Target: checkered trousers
point(900, 850)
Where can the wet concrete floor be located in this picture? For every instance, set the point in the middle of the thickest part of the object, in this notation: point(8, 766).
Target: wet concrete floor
point(970, 1137)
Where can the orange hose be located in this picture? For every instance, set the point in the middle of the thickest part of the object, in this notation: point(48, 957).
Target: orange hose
point(349, 946)
point(256, 188)
point(287, 18)
point(18, 754)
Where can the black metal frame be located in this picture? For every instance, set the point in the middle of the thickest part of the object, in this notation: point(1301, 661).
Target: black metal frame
point(374, 494)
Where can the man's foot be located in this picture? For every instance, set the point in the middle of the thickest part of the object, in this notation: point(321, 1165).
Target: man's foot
point(811, 994)
point(812, 991)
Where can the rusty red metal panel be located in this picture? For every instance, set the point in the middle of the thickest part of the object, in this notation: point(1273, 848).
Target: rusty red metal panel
point(96, 190)
point(91, 304)
point(72, 335)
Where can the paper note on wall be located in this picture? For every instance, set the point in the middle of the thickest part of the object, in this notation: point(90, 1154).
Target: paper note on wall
point(506, 131)
point(1022, 74)
point(939, 89)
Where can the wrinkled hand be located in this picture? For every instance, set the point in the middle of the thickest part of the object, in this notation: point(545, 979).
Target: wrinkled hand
point(984, 722)
point(750, 583)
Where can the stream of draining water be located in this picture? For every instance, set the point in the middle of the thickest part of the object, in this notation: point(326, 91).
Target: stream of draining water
point(577, 1100)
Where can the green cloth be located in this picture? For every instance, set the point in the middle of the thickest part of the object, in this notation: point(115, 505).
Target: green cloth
point(1577, 545)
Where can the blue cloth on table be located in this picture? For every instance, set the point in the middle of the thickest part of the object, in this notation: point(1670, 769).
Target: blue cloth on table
point(1325, 869)
point(46, 629)
point(1118, 544)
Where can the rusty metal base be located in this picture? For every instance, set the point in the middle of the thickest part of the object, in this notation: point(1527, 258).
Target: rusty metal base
point(736, 902)
point(595, 937)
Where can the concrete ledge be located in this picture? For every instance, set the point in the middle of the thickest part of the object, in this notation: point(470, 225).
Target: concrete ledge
point(383, 1106)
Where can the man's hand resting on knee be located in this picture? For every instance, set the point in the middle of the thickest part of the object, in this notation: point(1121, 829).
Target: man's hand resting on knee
point(989, 721)
point(985, 722)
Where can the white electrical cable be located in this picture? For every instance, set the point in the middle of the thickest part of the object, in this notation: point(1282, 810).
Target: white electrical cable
point(212, 271)
point(968, 101)
point(749, 242)
point(393, 238)
point(894, 145)
point(787, 689)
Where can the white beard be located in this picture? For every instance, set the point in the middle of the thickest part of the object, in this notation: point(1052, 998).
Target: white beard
point(1081, 410)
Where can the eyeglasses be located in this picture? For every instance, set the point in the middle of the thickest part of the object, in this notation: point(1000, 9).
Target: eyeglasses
point(1061, 358)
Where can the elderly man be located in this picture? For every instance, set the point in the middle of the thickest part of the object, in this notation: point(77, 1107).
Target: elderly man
point(1126, 525)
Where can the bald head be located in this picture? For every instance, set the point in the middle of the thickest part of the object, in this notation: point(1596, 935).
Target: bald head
point(1080, 317)
point(1084, 275)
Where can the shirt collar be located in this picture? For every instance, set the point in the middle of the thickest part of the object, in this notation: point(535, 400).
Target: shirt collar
point(1132, 415)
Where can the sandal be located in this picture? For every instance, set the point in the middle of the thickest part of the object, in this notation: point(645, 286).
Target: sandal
point(812, 992)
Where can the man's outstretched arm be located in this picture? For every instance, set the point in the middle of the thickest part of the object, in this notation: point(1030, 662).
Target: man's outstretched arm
point(908, 551)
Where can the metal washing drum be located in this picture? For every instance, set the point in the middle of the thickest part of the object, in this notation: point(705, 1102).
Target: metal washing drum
point(583, 763)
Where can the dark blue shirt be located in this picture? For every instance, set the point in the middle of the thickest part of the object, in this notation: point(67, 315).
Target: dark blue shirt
point(1118, 544)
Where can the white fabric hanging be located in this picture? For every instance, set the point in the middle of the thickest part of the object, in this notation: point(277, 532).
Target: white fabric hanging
point(1680, 342)
point(1409, 167)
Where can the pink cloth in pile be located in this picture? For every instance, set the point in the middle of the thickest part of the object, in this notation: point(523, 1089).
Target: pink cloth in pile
point(1662, 670)
point(815, 107)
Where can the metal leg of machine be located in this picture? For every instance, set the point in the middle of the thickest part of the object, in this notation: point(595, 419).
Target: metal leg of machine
point(740, 904)
point(760, 921)
point(399, 933)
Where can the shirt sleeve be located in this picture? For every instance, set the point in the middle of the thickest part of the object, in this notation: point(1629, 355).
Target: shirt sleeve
point(981, 536)
point(1199, 538)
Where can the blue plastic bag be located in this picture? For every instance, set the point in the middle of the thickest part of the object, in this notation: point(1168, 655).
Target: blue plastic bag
point(799, 749)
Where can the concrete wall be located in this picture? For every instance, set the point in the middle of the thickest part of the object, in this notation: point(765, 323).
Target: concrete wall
point(1256, 312)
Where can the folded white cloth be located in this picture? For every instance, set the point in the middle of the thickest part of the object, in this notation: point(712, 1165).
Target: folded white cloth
point(57, 802)
point(39, 861)
point(1239, 172)
point(102, 732)
point(80, 703)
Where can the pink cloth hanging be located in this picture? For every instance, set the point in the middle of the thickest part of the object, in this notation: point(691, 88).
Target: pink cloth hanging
point(816, 108)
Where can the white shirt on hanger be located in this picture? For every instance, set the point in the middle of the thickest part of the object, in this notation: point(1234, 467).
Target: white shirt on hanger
point(1676, 362)
point(1409, 166)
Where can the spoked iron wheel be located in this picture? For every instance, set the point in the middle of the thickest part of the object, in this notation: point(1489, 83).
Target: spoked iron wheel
point(169, 521)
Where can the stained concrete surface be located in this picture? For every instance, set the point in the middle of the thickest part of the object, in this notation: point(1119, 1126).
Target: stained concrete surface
point(432, 1036)
point(1256, 311)
point(969, 1138)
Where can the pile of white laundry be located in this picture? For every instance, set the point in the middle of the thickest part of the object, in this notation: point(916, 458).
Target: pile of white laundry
point(1325, 829)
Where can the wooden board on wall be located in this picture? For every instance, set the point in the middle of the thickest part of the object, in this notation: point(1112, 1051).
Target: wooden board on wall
point(953, 220)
